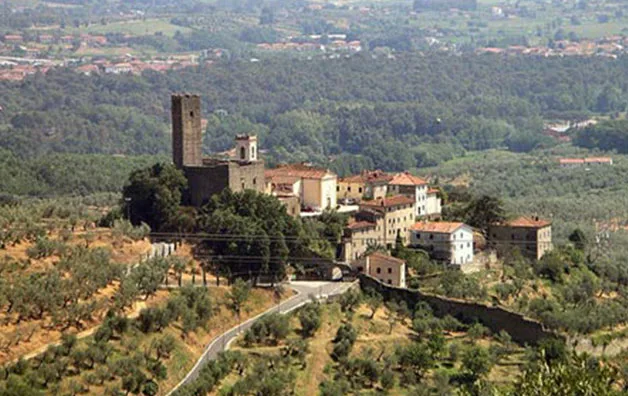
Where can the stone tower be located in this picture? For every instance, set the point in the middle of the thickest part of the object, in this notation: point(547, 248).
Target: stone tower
point(186, 130)
point(246, 148)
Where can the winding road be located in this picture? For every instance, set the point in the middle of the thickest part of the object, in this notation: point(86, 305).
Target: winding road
point(305, 292)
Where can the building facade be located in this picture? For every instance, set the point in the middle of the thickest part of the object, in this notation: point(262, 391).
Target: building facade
point(385, 268)
point(398, 213)
point(366, 185)
point(361, 234)
point(209, 176)
point(412, 186)
point(451, 242)
point(433, 206)
point(317, 186)
point(531, 235)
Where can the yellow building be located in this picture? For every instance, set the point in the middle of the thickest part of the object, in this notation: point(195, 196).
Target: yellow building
point(315, 187)
point(385, 268)
point(398, 216)
point(366, 185)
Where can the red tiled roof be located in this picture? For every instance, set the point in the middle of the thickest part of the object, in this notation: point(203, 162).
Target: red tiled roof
point(389, 201)
point(598, 159)
point(382, 257)
point(441, 227)
point(368, 177)
point(433, 191)
point(281, 179)
point(360, 224)
point(298, 170)
point(571, 161)
point(407, 179)
point(527, 222)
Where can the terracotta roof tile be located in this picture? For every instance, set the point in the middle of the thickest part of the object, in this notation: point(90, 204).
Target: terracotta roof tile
point(384, 258)
point(441, 227)
point(433, 191)
point(527, 222)
point(407, 179)
point(298, 170)
point(368, 177)
point(598, 159)
point(388, 202)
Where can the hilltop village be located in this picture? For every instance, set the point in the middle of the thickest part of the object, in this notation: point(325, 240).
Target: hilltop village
point(384, 209)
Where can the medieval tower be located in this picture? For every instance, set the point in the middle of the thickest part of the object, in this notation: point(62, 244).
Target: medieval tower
point(186, 130)
point(209, 176)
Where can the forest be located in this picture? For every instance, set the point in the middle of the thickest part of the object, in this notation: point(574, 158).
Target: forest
point(336, 112)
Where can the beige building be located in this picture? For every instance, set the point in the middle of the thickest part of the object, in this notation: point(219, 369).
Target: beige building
point(398, 214)
point(366, 185)
point(531, 235)
point(315, 187)
point(385, 268)
point(362, 233)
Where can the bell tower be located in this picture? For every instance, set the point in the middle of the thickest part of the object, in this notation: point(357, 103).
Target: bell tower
point(246, 148)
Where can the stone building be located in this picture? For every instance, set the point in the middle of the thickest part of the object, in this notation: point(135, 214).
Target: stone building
point(531, 235)
point(366, 185)
point(209, 176)
point(363, 232)
point(398, 214)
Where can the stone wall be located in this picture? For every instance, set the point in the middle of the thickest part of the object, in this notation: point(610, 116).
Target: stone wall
point(521, 329)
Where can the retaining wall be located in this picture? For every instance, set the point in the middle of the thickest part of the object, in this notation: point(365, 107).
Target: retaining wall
point(522, 330)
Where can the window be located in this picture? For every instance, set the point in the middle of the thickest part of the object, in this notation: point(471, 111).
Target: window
point(252, 152)
point(389, 282)
point(431, 236)
point(242, 153)
point(192, 114)
point(390, 270)
point(255, 181)
point(468, 244)
point(349, 188)
point(379, 270)
point(360, 190)
point(512, 236)
point(418, 235)
point(337, 188)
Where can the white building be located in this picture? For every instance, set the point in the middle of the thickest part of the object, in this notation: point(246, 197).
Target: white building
point(433, 205)
point(412, 186)
point(427, 203)
point(447, 241)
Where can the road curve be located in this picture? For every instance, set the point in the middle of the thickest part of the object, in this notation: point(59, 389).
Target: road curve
point(305, 292)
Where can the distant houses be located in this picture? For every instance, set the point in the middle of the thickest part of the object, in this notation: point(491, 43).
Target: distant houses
point(580, 162)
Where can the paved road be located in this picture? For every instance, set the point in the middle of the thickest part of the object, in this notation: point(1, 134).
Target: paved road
point(305, 290)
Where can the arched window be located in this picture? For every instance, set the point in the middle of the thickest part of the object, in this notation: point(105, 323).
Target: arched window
point(252, 152)
point(242, 153)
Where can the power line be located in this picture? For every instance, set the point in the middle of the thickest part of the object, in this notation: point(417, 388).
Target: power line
point(249, 237)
